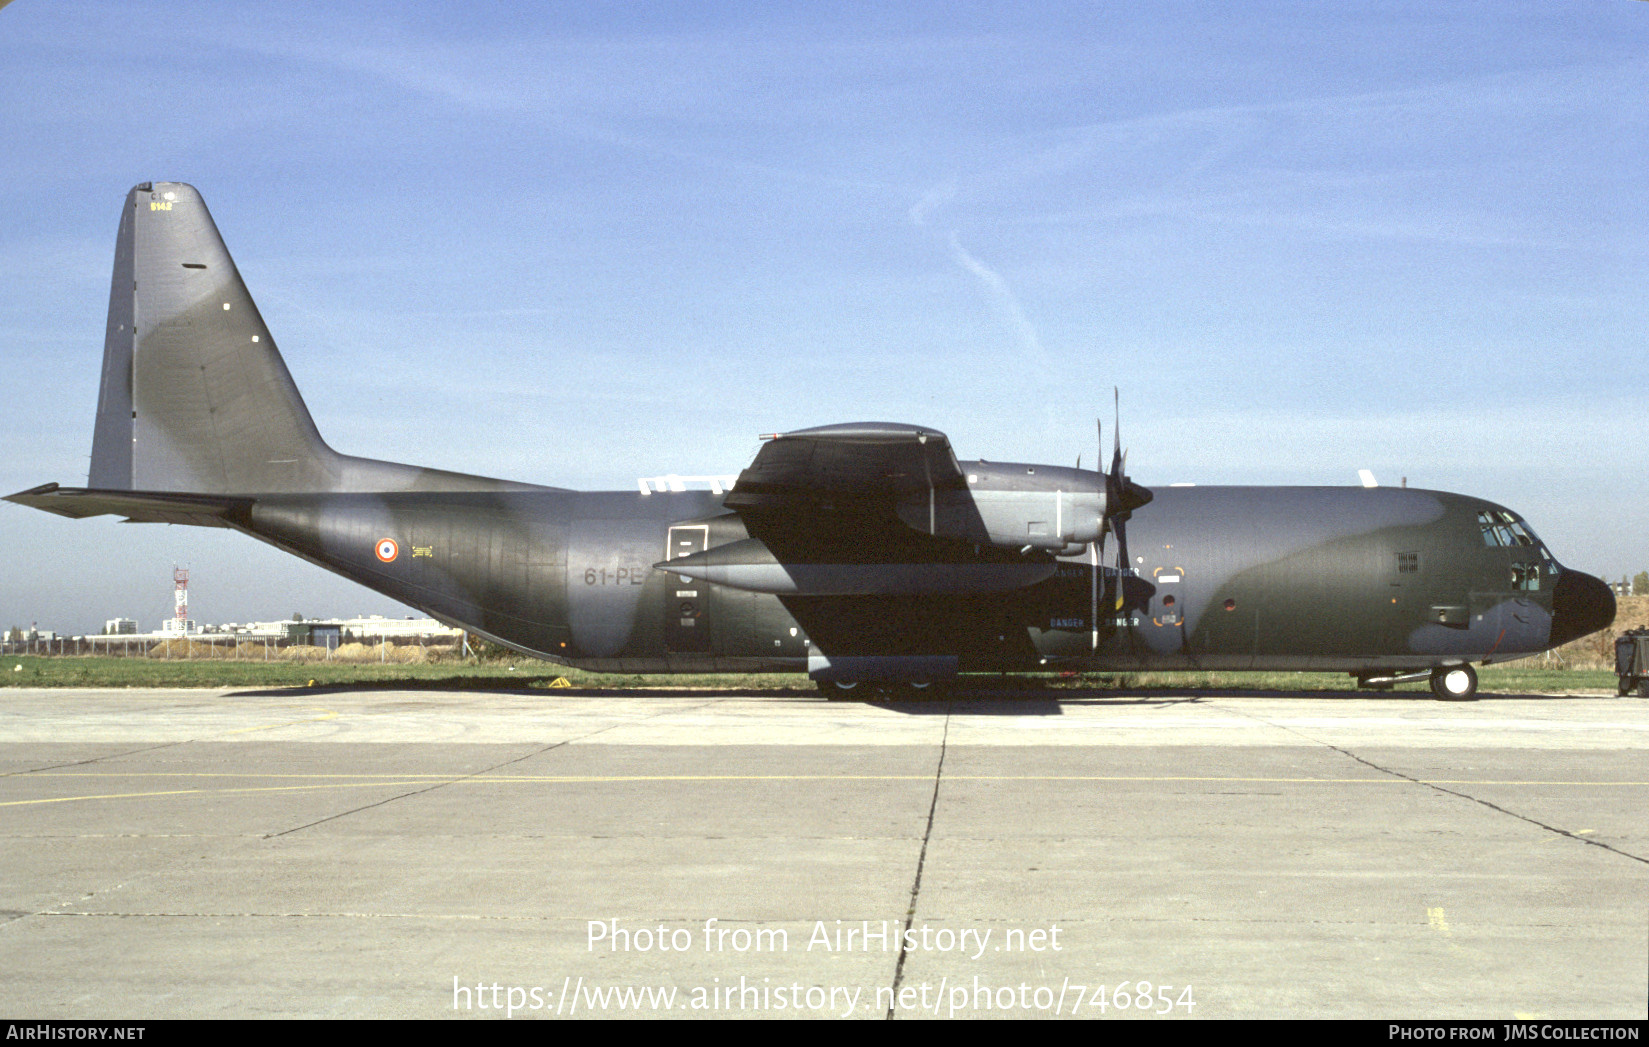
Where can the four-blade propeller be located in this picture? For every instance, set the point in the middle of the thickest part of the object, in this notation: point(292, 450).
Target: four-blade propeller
point(1122, 497)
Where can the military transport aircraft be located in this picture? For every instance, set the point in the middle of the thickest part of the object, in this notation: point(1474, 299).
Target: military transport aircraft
point(862, 553)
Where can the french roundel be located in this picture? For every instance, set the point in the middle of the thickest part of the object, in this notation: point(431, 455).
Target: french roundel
point(388, 550)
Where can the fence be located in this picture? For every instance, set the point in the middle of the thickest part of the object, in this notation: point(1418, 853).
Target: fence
point(226, 646)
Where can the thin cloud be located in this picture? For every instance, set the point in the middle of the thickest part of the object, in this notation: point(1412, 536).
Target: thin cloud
point(931, 201)
point(1005, 306)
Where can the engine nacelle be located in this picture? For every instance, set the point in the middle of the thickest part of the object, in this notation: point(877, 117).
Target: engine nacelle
point(1044, 507)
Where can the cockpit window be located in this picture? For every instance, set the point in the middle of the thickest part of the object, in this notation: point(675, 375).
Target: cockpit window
point(1502, 529)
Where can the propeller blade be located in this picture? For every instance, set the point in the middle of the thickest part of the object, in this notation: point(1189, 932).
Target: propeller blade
point(1093, 607)
point(1116, 429)
point(1122, 560)
point(1122, 495)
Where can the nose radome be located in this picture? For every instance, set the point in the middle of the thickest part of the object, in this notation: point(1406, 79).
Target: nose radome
point(1581, 604)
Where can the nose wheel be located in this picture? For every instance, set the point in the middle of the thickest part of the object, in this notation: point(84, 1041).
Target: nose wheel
point(1454, 683)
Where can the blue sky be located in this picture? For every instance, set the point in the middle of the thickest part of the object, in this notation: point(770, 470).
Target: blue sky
point(580, 243)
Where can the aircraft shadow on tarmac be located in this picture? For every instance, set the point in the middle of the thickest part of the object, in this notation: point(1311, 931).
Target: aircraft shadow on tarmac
point(984, 701)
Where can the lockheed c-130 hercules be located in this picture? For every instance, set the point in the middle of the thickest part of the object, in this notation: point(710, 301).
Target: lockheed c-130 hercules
point(861, 554)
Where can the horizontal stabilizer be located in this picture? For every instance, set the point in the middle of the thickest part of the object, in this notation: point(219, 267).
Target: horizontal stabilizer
point(77, 503)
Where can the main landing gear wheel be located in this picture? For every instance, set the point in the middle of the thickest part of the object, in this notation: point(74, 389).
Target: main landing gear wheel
point(859, 690)
point(1454, 683)
point(915, 690)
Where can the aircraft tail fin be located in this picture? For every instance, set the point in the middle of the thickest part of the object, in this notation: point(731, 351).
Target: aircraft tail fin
point(195, 397)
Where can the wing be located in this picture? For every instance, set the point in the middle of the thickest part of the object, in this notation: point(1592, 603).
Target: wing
point(849, 510)
point(861, 466)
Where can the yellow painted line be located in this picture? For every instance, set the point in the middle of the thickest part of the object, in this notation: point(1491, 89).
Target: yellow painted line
point(1435, 918)
point(456, 778)
point(341, 780)
point(388, 776)
point(330, 715)
point(1440, 924)
point(460, 777)
point(198, 792)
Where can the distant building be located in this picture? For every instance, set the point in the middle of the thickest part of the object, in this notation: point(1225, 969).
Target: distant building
point(318, 634)
point(372, 629)
point(322, 632)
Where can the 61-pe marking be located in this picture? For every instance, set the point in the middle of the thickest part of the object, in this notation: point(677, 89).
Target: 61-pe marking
point(616, 576)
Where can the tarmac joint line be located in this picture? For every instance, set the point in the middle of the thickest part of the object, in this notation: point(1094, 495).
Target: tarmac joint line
point(94, 759)
point(921, 860)
point(1579, 837)
point(464, 777)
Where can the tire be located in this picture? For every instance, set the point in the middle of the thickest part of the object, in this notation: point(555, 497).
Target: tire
point(838, 690)
point(914, 690)
point(1454, 683)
